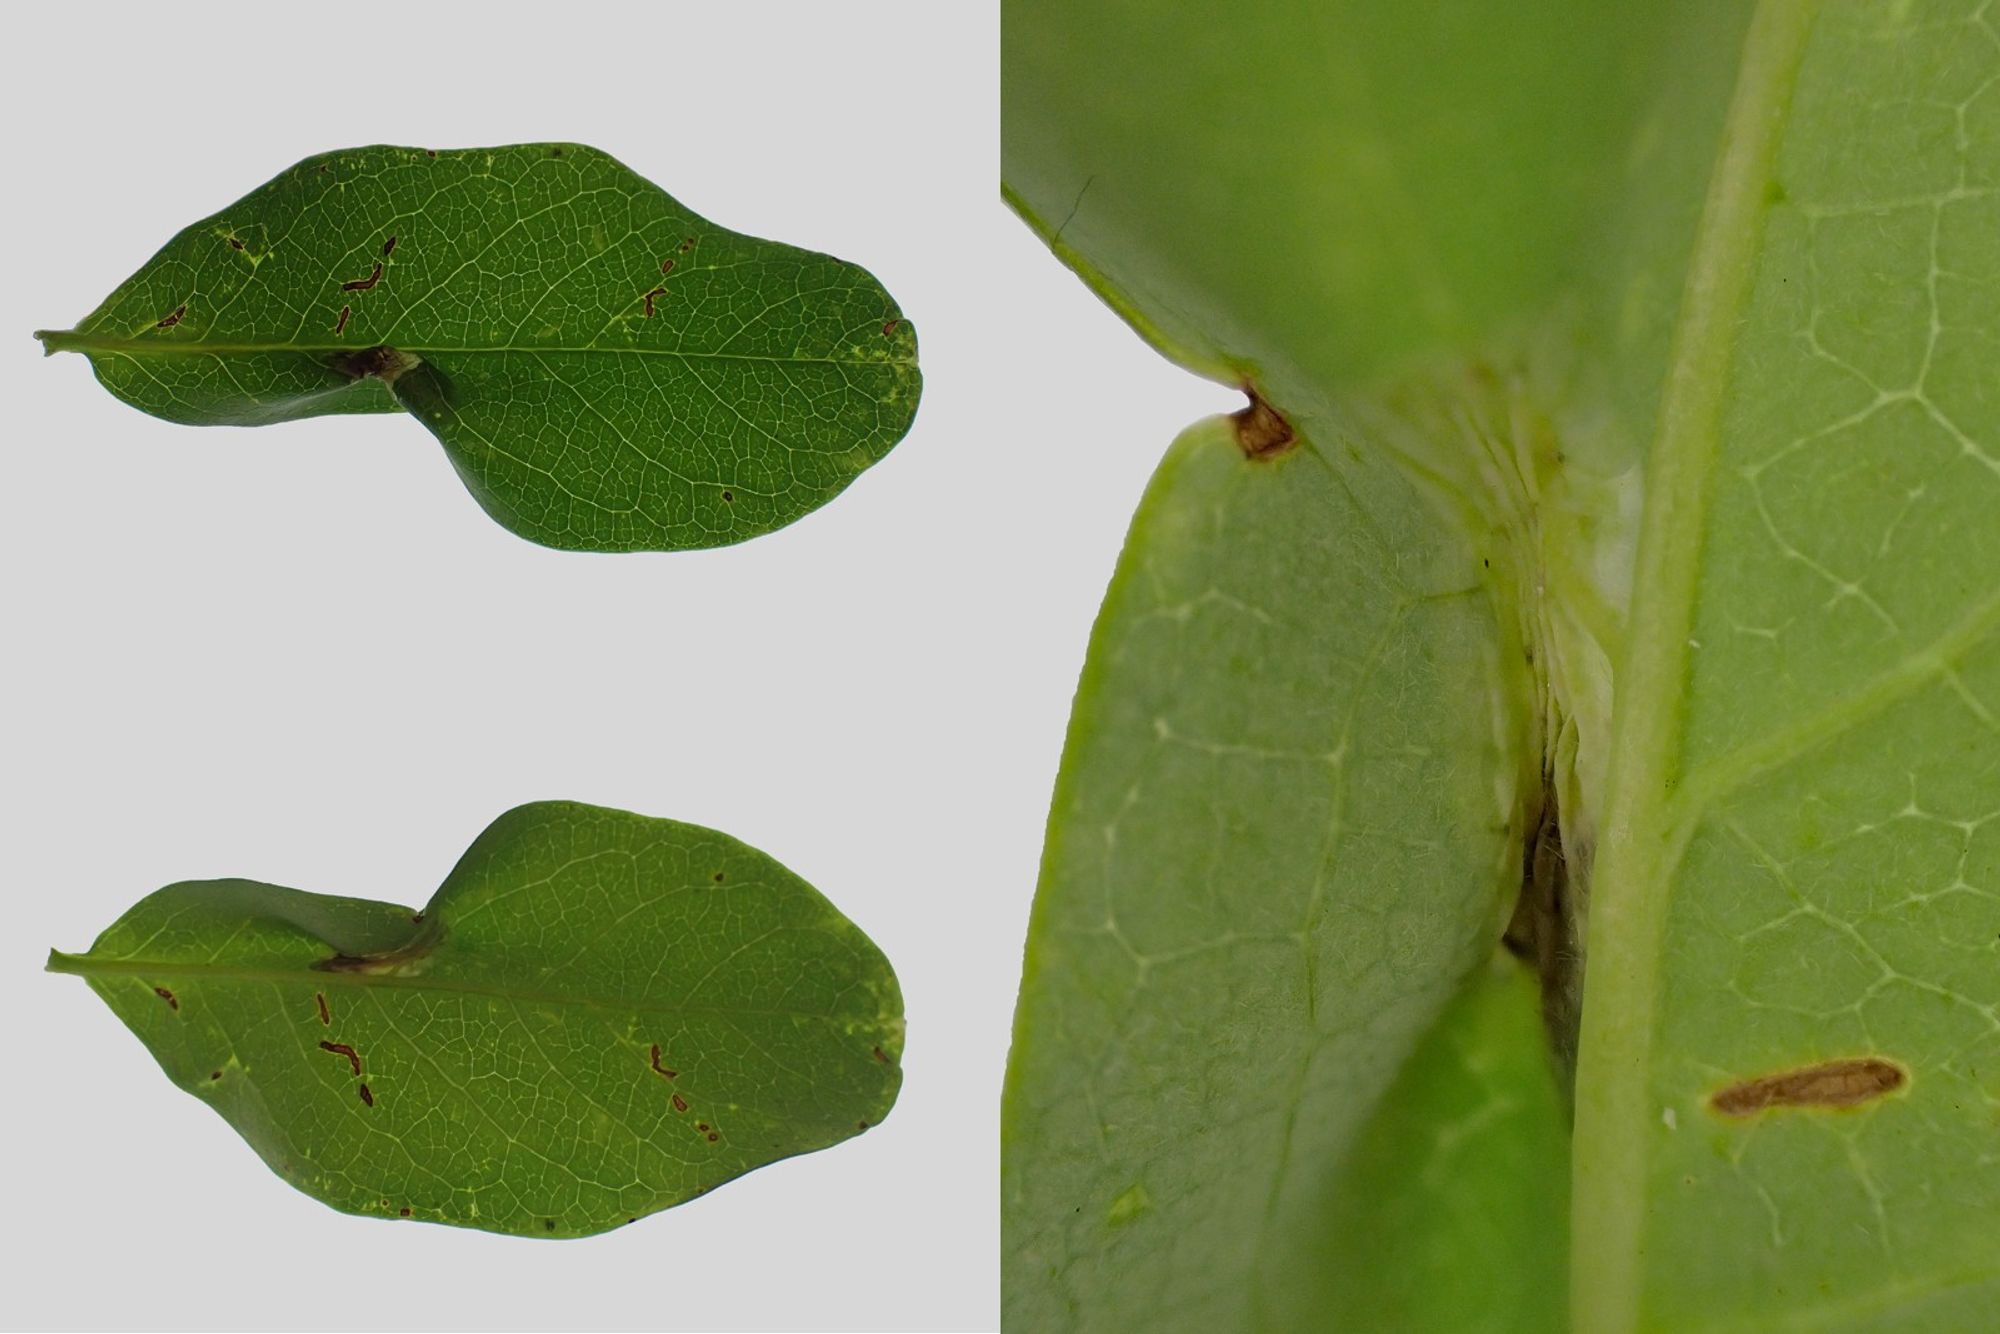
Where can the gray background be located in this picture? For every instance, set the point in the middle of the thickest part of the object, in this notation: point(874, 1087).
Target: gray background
point(303, 654)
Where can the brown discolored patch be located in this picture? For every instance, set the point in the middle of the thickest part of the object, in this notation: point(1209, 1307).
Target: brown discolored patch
point(172, 317)
point(388, 247)
point(384, 363)
point(650, 297)
point(172, 1001)
point(235, 243)
point(861, 1125)
point(680, 1103)
point(1830, 1084)
point(325, 1017)
point(666, 267)
point(713, 1137)
point(1261, 430)
point(403, 1212)
point(215, 1074)
point(366, 1095)
point(659, 1069)
point(881, 1056)
point(890, 327)
point(364, 284)
point(342, 1049)
point(728, 498)
point(340, 325)
point(687, 244)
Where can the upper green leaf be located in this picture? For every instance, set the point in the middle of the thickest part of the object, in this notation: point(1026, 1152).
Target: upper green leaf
point(606, 370)
point(598, 1015)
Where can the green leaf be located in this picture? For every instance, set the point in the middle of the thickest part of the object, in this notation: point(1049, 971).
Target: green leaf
point(1665, 339)
point(598, 1015)
point(606, 370)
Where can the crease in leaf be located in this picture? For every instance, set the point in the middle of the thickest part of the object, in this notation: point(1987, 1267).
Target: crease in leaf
point(598, 1015)
point(606, 370)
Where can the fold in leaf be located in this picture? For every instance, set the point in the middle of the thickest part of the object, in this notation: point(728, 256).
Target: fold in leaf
point(598, 1015)
point(606, 370)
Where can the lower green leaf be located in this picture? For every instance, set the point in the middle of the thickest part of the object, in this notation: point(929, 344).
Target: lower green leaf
point(1285, 834)
point(598, 1015)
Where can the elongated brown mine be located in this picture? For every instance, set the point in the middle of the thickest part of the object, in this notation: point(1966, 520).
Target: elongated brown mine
point(1845, 1083)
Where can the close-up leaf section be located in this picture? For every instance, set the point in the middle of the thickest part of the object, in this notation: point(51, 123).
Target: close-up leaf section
point(1527, 850)
point(606, 370)
point(598, 1015)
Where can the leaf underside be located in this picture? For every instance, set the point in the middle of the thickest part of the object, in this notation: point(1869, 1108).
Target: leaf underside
point(606, 370)
point(1646, 345)
point(598, 1015)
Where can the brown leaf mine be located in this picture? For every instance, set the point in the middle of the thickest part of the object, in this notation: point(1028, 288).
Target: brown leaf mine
point(1830, 1084)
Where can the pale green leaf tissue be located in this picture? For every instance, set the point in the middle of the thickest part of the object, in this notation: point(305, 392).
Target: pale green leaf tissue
point(1630, 529)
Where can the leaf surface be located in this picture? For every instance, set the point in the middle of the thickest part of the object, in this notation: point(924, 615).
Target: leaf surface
point(598, 1015)
point(606, 369)
point(1680, 324)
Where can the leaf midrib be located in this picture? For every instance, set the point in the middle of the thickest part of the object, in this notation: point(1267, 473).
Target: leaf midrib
point(70, 341)
point(80, 965)
point(1637, 856)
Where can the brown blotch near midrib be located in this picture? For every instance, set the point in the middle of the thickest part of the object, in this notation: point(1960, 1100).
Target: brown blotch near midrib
point(384, 363)
point(1262, 432)
point(1830, 1084)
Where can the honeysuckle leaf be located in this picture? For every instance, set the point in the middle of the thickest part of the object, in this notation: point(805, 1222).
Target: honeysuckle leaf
point(598, 1015)
point(1654, 350)
point(607, 370)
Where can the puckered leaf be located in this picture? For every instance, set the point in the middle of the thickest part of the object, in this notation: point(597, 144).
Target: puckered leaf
point(598, 1015)
point(606, 369)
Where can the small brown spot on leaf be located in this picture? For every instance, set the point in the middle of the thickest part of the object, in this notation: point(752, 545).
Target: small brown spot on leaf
point(718, 877)
point(548, 1225)
point(881, 1056)
point(215, 1074)
point(172, 317)
point(861, 1125)
point(342, 1049)
point(366, 1096)
point(403, 1212)
point(1261, 431)
point(363, 284)
point(687, 244)
point(320, 1001)
point(728, 498)
point(713, 1137)
point(417, 918)
point(666, 266)
point(1830, 1084)
point(167, 996)
point(890, 327)
point(650, 296)
point(659, 1069)
point(235, 243)
point(340, 325)
point(680, 1103)
point(388, 247)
